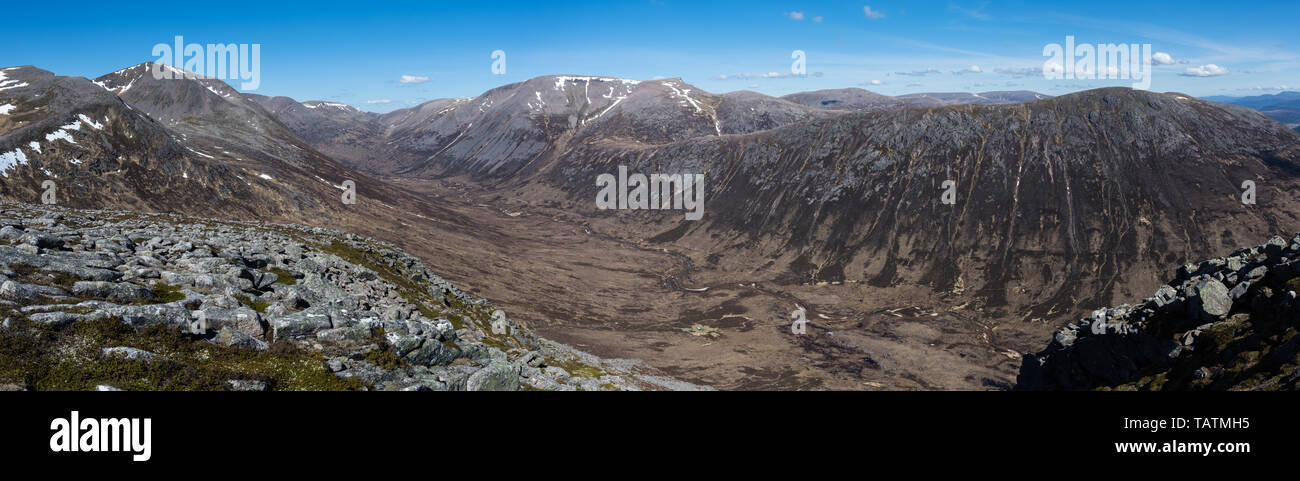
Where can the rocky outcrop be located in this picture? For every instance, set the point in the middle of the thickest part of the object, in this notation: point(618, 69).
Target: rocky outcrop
point(85, 297)
point(1225, 323)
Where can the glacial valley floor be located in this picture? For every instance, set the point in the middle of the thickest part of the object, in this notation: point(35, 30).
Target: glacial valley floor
point(595, 285)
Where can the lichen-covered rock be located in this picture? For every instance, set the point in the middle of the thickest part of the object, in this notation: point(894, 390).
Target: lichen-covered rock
point(121, 292)
point(1228, 323)
point(129, 353)
point(496, 376)
point(377, 314)
point(1209, 300)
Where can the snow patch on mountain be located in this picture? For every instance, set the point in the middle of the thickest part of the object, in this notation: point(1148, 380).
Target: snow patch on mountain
point(684, 96)
point(200, 153)
point(9, 160)
point(6, 83)
point(92, 123)
point(215, 91)
point(59, 134)
point(317, 104)
point(560, 80)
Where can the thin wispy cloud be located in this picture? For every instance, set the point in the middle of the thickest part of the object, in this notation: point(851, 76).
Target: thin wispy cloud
point(1165, 34)
point(381, 101)
point(872, 14)
point(918, 73)
point(413, 79)
point(976, 13)
point(749, 75)
point(796, 16)
point(1019, 72)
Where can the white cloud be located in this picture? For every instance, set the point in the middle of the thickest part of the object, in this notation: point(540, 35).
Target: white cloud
point(751, 75)
point(817, 19)
point(975, 13)
point(414, 79)
point(877, 82)
point(1278, 88)
point(1207, 70)
point(918, 73)
point(381, 101)
point(1020, 71)
point(872, 14)
point(796, 16)
point(1161, 58)
point(970, 69)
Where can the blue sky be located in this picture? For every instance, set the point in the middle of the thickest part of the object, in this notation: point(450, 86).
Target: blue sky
point(357, 52)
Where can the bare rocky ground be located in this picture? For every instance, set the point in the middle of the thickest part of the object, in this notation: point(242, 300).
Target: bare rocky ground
point(122, 300)
point(1228, 323)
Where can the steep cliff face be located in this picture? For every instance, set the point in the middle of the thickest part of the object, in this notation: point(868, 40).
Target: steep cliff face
point(1226, 323)
point(1072, 201)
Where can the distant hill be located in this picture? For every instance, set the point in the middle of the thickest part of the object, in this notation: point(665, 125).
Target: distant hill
point(983, 98)
point(1283, 107)
point(866, 101)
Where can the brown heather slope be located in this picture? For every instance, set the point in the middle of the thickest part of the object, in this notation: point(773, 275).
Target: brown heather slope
point(1064, 205)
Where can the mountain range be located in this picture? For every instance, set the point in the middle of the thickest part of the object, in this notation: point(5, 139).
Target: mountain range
point(556, 110)
point(1283, 107)
point(829, 201)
